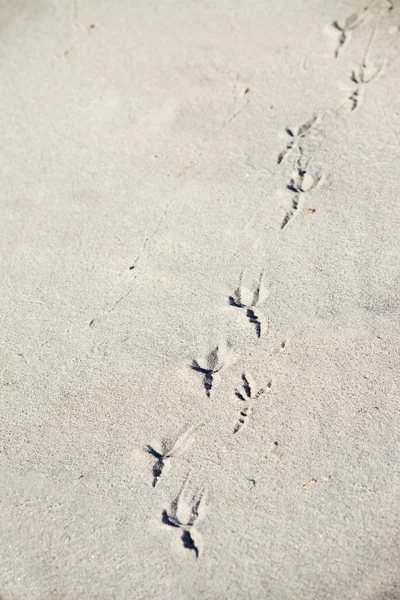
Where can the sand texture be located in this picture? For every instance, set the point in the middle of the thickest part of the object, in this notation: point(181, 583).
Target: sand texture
point(200, 234)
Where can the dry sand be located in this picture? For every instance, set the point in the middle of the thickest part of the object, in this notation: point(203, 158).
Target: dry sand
point(200, 300)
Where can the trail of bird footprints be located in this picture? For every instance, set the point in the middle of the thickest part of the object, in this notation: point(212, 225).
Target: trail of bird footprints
point(304, 180)
point(187, 509)
point(367, 71)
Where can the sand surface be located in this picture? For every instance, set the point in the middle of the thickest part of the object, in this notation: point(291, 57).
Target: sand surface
point(200, 240)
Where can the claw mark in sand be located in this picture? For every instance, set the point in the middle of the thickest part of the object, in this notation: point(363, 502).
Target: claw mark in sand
point(349, 25)
point(214, 362)
point(248, 300)
point(169, 450)
point(246, 396)
point(296, 134)
point(183, 514)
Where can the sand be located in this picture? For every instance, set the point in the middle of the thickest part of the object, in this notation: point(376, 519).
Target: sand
point(200, 300)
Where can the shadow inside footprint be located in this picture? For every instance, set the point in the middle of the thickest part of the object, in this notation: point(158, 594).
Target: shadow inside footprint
point(208, 376)
point(168, 520)
point(253, 318)
point(188, 542)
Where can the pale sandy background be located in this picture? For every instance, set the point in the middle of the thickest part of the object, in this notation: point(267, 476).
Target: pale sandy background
point(146, 134)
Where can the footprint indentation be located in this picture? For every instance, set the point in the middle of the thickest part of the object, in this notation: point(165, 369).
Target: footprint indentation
point(183, 514)
point(168, 451)
point(246, 395)
point(214, 362)
point(249, 300)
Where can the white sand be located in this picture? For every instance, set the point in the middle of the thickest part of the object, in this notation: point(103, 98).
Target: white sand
point(151, 139)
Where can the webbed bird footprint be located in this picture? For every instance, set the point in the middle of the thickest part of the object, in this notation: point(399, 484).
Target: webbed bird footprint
point(248, 300)
point(183, 514)
point(214, 362)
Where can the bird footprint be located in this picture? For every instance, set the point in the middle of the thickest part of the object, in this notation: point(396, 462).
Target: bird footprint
point(301, 182)
point(247, 396)
point(214, 362)
point(349, 25)
point(169, 450)
point(364, 75)
point(249, 300)
point(183, 514)
point(296, 134)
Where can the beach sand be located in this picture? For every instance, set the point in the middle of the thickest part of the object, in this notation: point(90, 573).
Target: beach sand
point(200, 240)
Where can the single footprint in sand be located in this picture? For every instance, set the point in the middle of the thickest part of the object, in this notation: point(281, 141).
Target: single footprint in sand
point(247, 396)
point(214, 362)
point(296, 134)
point(302, 181)
point(347, 26)
point(248, 300)
point(168, 451)
point(361, 77)
point(183, 514)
